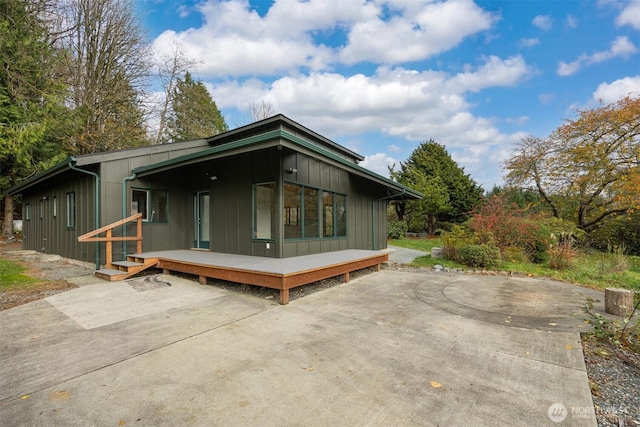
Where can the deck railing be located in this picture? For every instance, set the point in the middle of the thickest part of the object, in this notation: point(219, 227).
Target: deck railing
point(109, 238)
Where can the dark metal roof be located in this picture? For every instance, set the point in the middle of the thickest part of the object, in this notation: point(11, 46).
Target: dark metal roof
point(274, 138)
point(278, 130)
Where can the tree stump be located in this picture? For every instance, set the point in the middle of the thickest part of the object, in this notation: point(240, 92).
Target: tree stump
point(436, 253)
point(618, 302)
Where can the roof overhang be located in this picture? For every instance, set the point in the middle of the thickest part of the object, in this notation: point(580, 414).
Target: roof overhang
point(281, 138)
point(53, 171)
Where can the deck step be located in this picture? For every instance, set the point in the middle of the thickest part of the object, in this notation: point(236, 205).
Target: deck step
point(127, 264)
point(111, 274)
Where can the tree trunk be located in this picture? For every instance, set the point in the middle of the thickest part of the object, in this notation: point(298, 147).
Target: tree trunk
point(7, 228)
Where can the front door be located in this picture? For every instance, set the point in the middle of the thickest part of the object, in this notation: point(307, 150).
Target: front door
point(201, 219)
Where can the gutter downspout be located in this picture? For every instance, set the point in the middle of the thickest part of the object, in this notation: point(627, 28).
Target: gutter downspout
point(96, 177)
point(373, 215)
point(124, 211)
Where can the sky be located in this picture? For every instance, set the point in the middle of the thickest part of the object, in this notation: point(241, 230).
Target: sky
point(382, 76)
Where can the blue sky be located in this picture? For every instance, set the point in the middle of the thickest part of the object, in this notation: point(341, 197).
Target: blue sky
point(380, 77)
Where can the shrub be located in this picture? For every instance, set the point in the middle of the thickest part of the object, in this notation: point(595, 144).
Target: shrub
point(561, 255)
point(516, 254)
point(480, 256)
point(454, 241)
point(396, 229)
point(499, 223)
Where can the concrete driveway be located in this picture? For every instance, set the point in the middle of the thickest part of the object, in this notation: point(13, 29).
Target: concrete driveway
point(389, 348)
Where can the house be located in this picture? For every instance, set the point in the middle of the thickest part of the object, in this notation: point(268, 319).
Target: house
point(269, 189)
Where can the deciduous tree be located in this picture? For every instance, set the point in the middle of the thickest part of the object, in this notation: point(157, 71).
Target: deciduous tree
point(106, 65)
point(587, 170)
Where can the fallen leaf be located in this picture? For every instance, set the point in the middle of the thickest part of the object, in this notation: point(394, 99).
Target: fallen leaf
point(569, 347)
point(122, 422)
point(25, 397)
point(435, 384)
point(553, 324)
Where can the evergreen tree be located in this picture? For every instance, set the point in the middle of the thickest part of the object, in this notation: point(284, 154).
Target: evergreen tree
point(30, 99)
point(194, 113)
point(431, 165)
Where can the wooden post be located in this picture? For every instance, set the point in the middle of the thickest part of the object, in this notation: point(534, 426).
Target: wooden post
point(202, 280)
point(284, 296)
point(618, 302)
point(109, 245)
point(139, 235)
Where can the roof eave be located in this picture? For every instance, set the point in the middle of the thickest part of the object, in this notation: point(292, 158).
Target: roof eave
point(55, 170)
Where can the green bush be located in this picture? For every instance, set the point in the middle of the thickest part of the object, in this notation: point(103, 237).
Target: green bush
point(454, 241)
point(396, 229)
point(480, 256)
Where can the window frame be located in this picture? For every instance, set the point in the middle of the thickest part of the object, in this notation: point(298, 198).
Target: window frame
point(272, 211)
point(71, 210)
point(149, 204)
point(320, 213)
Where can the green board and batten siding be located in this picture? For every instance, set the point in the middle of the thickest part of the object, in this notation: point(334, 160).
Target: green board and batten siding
point(275, 150)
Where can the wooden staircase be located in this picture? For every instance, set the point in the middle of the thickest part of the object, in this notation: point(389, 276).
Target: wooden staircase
point(120, 270)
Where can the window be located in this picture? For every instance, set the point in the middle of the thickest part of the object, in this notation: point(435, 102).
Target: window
point(264, 210)
point(153, 204)
point(341, 215)
point(312, 213)
point(292, 211)
point(327, 214)
point(54, 206)
point(27, 212)
point(311, 217)
point(71, 210)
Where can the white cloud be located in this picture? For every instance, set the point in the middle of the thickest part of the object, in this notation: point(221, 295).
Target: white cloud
point(546, 98)
point(415, 34)
point(379, 163)
point(612, 92)
point(543, 22)
point(571, 22)
point(394, 148)
point(517, 120)
point(235, 40)
point(630, 15)
point(620, 47)
point(495, 72)
point(529, 42)
point(396, 101)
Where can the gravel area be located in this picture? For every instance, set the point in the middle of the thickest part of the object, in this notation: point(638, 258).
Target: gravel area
point(613, 370)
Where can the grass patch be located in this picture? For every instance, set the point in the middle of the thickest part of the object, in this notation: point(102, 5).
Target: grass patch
point(587, 269)
point(424, 245)
point(12, 275)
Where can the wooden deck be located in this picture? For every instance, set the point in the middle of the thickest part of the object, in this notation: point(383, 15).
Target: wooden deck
point(276, 273)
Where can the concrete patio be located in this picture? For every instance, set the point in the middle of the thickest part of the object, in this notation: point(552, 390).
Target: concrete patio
point(388, 348)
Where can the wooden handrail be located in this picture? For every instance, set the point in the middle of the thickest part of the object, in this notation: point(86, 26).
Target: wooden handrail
point(109, 239)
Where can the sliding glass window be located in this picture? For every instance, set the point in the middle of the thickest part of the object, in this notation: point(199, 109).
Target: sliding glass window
point(311, 213)
point(292, 211)
point(311, 217)
point(327, 214)
point(341, 215)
